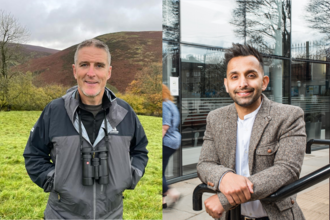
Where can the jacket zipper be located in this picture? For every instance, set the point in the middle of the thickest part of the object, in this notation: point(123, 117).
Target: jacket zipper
point(94, 192)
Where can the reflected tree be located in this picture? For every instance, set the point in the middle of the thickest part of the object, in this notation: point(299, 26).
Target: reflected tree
point(318, 14)
point(264, 24)
point(171, 10)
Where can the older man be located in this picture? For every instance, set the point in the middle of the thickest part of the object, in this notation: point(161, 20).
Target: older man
point(88, 146)
point(252, 147)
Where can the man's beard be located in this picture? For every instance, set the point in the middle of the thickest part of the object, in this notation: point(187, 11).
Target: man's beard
point(241, 100)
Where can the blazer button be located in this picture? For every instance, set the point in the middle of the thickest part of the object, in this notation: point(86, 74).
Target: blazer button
point(210, 184)
point(292, 202)
point(269, 151)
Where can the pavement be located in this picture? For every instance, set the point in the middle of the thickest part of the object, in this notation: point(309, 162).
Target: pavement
point(313, 201)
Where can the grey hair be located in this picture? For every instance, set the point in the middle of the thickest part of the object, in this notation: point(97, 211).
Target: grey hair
point(95, 43)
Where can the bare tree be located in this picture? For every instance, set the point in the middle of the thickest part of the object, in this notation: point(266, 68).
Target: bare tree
point(318, 14)
point(260, 22)
point(11, 35)
point(171, 10)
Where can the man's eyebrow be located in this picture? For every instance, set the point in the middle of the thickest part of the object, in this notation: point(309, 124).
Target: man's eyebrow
point(251, 71)
point(246, 72)
point(232, 72)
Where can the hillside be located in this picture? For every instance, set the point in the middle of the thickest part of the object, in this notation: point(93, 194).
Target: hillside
point(37, 49)
point(28, 52)
point(130, 51)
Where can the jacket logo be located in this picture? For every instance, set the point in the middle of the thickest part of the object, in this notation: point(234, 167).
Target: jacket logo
point(114, 131)
point(32, 129)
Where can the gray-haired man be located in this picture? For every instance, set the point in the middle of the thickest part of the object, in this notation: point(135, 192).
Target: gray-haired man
point(88, 146)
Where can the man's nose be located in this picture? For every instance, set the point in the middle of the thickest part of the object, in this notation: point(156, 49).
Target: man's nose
point(91, 72)
point(243, 82)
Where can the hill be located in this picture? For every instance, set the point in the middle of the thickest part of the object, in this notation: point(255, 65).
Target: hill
point(130, 52)
point(28, 52)
point(41, 50)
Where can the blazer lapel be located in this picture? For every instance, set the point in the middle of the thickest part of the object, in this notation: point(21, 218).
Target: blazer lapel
point(231, 136)
point(260, 123)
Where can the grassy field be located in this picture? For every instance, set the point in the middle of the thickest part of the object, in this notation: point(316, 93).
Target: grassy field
point(20, 198)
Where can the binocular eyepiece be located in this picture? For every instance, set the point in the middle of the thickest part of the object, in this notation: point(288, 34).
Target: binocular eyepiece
point(95, 168)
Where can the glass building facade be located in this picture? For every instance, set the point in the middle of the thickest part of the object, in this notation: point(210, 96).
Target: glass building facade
point(293, 37)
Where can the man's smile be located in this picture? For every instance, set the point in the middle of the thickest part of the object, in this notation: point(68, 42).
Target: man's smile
point(244, 93)
point(91, 82)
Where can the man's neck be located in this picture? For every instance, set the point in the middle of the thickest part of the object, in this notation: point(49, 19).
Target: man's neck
point(245, 110)
point(91, 100)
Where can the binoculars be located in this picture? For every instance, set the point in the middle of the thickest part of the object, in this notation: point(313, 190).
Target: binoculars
point(95, 168)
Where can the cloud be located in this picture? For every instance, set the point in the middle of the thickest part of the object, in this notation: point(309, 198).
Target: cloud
point(60, 24)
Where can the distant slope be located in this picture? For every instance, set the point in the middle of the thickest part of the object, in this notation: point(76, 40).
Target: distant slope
point(130, 51)
point(39, 49)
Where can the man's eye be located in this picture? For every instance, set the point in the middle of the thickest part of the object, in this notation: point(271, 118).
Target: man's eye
point(234, 77)
point(99, 65)
point(83, 64)
point(251, 75)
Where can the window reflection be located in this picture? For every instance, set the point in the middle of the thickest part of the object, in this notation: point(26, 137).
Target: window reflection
point(278, 72)
point(311, 30)
point(310, 90)
point(265, 24)
point(171, 10)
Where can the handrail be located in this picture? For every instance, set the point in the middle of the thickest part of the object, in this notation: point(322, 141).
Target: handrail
point(315, 141)
point(288, 190)
point(300, 185)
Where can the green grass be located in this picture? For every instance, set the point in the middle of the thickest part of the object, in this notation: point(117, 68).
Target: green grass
point(20, 198)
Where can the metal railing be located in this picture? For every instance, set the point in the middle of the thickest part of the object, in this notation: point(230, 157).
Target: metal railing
point(286, 191)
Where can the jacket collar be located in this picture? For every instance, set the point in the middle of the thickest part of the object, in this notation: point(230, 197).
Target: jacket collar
point(71, 103)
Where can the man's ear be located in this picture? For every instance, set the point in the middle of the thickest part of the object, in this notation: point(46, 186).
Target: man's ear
point(225, 83)
point(109, 72)
point(265, 82)
point(74, 71)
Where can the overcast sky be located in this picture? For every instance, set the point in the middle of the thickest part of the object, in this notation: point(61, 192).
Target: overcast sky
point(59, 24)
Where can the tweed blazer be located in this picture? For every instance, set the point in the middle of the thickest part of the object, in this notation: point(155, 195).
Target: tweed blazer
point(276, 153)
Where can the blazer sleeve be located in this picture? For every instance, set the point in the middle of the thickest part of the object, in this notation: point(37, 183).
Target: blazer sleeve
point(287, 161)
point(209, 168)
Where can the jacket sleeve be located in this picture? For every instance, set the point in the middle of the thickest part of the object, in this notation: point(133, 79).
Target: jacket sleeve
point(209, 168)
point(138, 152)
point(37, 152)
point(287, 162)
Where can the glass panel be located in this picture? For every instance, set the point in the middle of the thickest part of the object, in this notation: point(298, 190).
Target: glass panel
point(170, 69)
point(279, 84)
point(202, 74)
point(264, 24)
point(208, 22)
point(171, 10)
point(170, 61)
point(311, 29)
point(310, 90)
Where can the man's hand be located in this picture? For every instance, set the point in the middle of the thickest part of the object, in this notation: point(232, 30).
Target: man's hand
point(236, 188)
point(213, 206)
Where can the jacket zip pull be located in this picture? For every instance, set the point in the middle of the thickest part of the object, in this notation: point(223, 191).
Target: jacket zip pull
point(102, 188)
point(58, 197)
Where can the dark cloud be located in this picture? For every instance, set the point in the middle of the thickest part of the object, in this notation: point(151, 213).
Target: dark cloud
point(61, 23)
